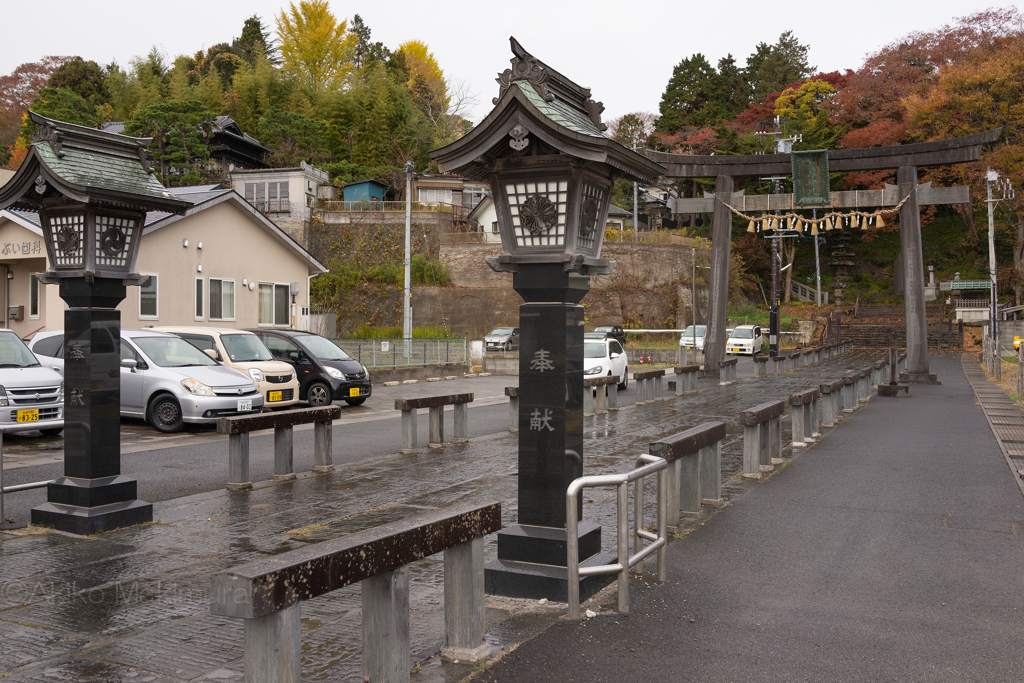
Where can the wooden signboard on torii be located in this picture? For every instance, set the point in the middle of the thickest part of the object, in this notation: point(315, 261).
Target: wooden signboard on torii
point(910, 196)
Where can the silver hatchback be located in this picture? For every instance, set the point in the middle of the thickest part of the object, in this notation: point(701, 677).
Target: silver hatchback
point(167, 381)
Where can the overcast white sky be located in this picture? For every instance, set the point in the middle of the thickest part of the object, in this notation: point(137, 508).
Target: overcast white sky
point(623, 52)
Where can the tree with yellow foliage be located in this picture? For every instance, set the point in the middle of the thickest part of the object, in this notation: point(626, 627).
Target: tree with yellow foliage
point(315, 45)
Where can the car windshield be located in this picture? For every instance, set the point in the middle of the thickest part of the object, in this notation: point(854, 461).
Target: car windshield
point(14, 353)
point(172, 352)
point(244, 348)
point(689, 331)
point(323, 348)
point(741, 333)
point(500, 332)
point(595, 350)
point(604, 328)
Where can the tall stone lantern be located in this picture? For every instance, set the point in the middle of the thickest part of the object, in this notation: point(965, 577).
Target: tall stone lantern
point(92, 191)
point(543, 151)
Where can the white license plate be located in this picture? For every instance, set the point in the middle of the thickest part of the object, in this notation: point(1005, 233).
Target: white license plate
point(245, 405)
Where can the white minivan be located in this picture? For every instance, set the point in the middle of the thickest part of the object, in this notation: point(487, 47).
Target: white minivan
point(745, 339)
point(31, 395)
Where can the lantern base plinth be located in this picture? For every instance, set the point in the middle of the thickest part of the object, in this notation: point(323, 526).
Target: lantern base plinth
point(85, 521)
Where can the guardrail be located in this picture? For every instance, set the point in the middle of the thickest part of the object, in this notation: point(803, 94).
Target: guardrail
point(20, 427)
point(606, 392)
point(686, 379)
point(267, 594)
point(436, 405)
point(727, 371)
point(804, 415)
point(762, 438)
point(238, 428)
point(831, 402)
point(694, 469)
point(405, 353)
point(649, 386)
point(651, 464)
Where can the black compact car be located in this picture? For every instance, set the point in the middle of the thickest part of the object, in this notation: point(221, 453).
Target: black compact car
point(326, 373)
point(613, 331)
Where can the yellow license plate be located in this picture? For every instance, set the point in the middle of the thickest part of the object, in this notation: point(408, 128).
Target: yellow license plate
point(354, 391)
point(275, 395)
point(28, 415)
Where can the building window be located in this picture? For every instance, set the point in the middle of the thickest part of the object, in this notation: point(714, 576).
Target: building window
point(222, 299)
point(494, 226)
point(200, 314)
point(268, 197)
point(274, 304)
point(148, 299)
point(432, 196)
point(33, 297)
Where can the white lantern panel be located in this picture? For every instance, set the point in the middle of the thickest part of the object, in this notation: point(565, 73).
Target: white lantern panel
point(538, 212)
point(114, 235)
point(67, 237)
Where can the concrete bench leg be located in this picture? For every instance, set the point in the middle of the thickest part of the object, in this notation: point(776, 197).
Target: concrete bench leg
point(775, 439)
point(690, 498)
point(680, 384)
point(588, 401)
point(613, 397)
point(711, 474)
point(513, 414)
point(464, 603)
point(273, 647)
point(461, 434)
point(797, 419)
point(849, 398)
point(765, 457)
point(815, 418)
point(672, 495)
point(808, 422)
point(436, 423)
point(602, 394)
point(826, 410)
point(386, 626)
point(691, 385)
point(323, 447)
point(284, 469)
point(659, 390)
point(837, 407)
point(238, 462)
point(751, 451)
point(408, 431)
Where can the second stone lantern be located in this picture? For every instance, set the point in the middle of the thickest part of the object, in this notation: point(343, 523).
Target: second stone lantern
point(543, 151)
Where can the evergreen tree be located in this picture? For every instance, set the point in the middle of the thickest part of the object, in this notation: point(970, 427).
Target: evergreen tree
point(293, 137)
point(773, 67)
point(255, 43)
point(86, 79)
point(61, 104)
point(692, 96)
point(181, 136)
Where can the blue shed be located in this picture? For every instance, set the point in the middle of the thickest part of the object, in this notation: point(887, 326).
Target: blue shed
point(363, 191)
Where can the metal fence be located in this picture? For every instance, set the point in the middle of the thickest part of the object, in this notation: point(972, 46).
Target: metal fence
point(404, 353)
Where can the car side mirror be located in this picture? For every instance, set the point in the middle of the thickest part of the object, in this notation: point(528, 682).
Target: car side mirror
point(212, 353)
point(129, 363)
point(615, 354)
point(294, 355)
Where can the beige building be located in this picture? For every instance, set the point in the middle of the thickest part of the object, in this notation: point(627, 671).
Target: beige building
point(222, 264)
point(285, 195)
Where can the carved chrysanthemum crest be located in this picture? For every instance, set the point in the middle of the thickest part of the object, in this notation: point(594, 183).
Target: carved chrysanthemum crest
point(538, 214)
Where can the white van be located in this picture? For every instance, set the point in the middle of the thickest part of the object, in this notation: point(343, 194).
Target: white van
point(31, 395)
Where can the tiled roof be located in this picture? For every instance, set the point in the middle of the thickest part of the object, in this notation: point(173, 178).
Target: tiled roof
point(562, 113)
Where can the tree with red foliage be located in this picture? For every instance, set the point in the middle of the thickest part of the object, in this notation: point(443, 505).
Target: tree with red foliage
point(18, 89)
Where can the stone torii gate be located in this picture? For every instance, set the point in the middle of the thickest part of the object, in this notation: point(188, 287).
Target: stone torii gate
point(906, 159)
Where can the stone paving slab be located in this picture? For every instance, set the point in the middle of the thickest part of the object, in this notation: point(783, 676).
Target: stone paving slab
point(133, 603)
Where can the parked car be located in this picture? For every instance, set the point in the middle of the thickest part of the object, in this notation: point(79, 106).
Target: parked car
point(605, 357)
point(167, 381)
point(502, 339)
point(31, 392)
point(245, 352)
point(326, 373)
point(614, 331)
point(745, 339)
point(693, 337)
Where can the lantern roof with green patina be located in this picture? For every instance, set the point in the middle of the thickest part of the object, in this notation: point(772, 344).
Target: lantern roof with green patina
point(536, 101)
point(68, 162)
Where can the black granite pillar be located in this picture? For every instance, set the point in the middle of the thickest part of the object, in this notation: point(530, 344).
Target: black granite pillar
point(532, 554)
point(92, 495)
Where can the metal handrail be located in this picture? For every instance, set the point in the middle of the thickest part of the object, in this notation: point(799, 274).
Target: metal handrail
point(20, 427)
point(621, 482)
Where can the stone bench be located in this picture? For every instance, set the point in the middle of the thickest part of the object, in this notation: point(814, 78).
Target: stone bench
point(762, 438)
point(513, 408)
point(648, 386)
point(606, 390)
point(436, 405)
point(268, 593)
point(727, 371)
point(282, 422)
point(686, 379)
point(694, 471)
point(831, 402)
point(761, 365)
point(864, 386)
point(779, 363)
point(804, 415)
point(807, 357)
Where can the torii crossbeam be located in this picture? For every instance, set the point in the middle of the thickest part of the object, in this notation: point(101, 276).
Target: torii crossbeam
point(906, 159)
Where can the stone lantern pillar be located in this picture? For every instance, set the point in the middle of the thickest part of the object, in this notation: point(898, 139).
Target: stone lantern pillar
point(92, 191)
point(550, 167)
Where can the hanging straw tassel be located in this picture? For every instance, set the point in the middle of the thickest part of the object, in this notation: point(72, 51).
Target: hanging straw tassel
point(750, 228)
point(828, 223)
point(879, 223)
point(864, 223)
point(814, 228)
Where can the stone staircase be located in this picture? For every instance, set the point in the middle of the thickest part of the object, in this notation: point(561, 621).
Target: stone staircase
point(883, 325)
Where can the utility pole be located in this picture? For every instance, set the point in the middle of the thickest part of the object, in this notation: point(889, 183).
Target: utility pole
point(407, 293)
point(992, 180)
point(817, 265)
point(773, 310)
point(693, 297)
point(636, 226)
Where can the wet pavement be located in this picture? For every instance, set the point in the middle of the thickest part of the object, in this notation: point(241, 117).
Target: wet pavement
point(133, 604)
